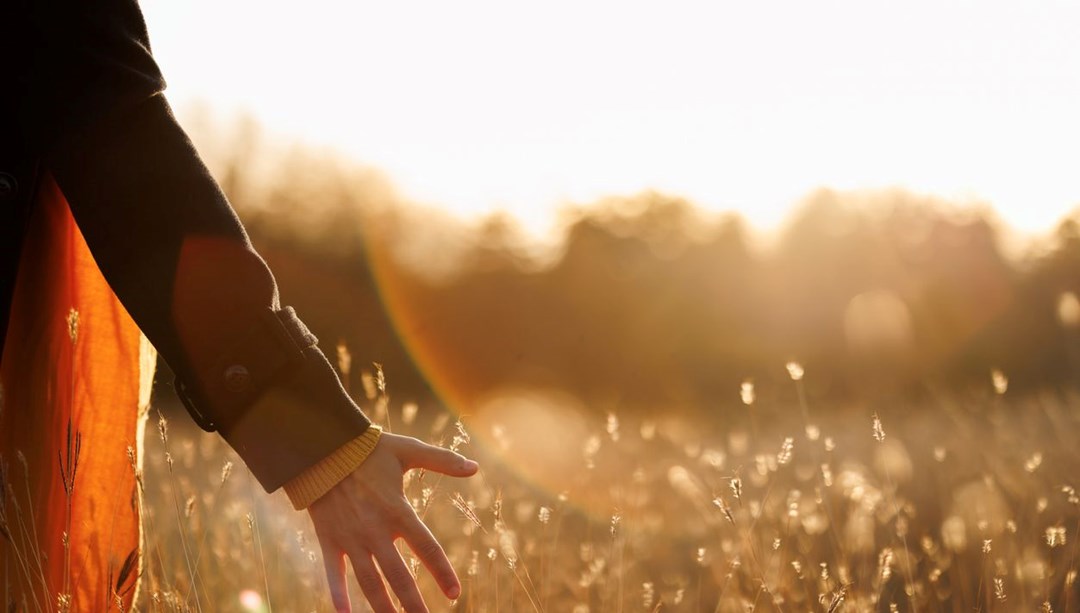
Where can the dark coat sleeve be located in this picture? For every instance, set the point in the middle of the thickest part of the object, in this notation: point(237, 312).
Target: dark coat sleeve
point(173, 249)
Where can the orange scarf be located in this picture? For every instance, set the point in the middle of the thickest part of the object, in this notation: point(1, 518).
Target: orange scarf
point(76, 376)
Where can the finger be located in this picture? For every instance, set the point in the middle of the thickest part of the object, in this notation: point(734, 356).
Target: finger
point(417, 454)
point(431, 553)
point(400, 579)
point(335, 576)
point(371, 584)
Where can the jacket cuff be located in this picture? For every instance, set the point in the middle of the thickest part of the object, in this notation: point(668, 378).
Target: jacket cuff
point(274, 397)
point(311, 484)
point(273, 345)
point(296, 423)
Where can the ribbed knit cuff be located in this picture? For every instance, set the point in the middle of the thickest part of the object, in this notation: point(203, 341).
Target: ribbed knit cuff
point(310, 485)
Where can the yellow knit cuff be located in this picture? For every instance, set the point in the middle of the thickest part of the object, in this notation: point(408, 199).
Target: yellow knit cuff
point(310, 485)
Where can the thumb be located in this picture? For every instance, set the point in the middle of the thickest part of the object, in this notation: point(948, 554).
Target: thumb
point(418, 454)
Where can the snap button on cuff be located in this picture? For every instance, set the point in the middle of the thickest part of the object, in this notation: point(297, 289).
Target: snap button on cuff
point(237, 378)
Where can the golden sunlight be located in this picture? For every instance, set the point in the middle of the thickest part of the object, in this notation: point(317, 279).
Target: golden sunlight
point(478, 106)
point(695, 305)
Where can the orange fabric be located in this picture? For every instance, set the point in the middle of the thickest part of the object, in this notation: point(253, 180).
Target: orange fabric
point(55, 374)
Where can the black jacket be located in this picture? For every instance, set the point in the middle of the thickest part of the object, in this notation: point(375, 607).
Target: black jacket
point(82, 99)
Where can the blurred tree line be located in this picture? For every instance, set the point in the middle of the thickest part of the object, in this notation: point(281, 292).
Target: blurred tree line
point(648, 301)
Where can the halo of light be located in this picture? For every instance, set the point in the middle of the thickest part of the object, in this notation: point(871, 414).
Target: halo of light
point(251, 600)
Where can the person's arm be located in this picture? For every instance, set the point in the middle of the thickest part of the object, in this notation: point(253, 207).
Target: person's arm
point(173, 250)
point(176, 255)
point(171, 247)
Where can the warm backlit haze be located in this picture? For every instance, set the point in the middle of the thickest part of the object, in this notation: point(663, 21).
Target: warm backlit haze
point(875, 410)
point(856, 131)
point(478, 105)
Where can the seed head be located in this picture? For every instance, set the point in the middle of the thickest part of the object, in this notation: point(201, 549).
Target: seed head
point(725, 509)
point(344, 359)
point(1055, 536)
point(648, 592)
point(408, 412)
point(1000, 381)
point(879, 432)
point(1034, 462)
point(474, 563)
point(885, 564)
point(746, 392)
point(613, 426)
point(785, 451)
point(465, 509)
point(461, 437)
point(736, 488)
point(794, 496)
point(1070, 495)
point(380, 378)
point(826, 475)
point(838, 599)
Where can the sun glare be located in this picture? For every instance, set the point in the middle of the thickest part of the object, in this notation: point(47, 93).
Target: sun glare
point(479, 105)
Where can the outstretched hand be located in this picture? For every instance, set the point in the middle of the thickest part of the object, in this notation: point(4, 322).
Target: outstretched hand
point(364, 514)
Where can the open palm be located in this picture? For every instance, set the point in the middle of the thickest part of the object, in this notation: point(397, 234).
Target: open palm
point(365, 513)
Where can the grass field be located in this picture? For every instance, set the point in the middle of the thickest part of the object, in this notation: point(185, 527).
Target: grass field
point(964, 503)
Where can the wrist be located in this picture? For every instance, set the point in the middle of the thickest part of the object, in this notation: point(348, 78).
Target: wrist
point(314, 482)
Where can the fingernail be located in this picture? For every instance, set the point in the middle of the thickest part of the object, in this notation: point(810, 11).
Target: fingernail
point(471, 465)
point(454, 592)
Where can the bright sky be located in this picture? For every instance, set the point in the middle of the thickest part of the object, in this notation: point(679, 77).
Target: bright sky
point(476, 104)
